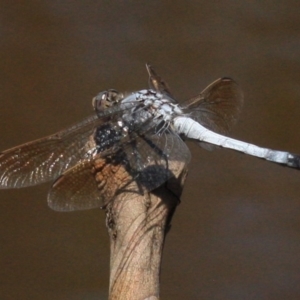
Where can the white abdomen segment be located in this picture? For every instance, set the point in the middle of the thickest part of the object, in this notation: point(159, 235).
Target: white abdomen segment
point(193, 130)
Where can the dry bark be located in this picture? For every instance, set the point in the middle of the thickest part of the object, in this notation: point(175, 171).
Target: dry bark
point(137, 226)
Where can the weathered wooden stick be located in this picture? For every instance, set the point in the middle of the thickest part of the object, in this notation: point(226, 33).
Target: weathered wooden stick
point(137, 227)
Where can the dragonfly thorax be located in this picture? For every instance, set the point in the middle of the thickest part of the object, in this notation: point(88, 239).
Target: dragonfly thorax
point(152, 105)
point(141, 112)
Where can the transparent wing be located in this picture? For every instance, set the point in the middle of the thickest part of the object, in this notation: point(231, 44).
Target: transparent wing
point(156, 82)
point(46, 158)
point(217, 107)
point(76, 189)
point(149, 161)
point(155, 159)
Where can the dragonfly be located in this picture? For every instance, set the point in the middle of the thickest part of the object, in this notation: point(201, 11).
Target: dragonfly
point(130, 138)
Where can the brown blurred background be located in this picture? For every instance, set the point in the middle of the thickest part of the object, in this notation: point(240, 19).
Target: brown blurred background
point(236, 234)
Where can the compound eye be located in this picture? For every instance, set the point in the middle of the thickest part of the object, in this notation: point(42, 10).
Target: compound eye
point(99, 102)
point(113, 96)
point(106, 99)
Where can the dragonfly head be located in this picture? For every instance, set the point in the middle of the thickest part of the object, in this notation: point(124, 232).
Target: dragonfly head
point(106, 100)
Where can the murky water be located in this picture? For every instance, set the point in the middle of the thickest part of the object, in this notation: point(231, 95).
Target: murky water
point(236, 234)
